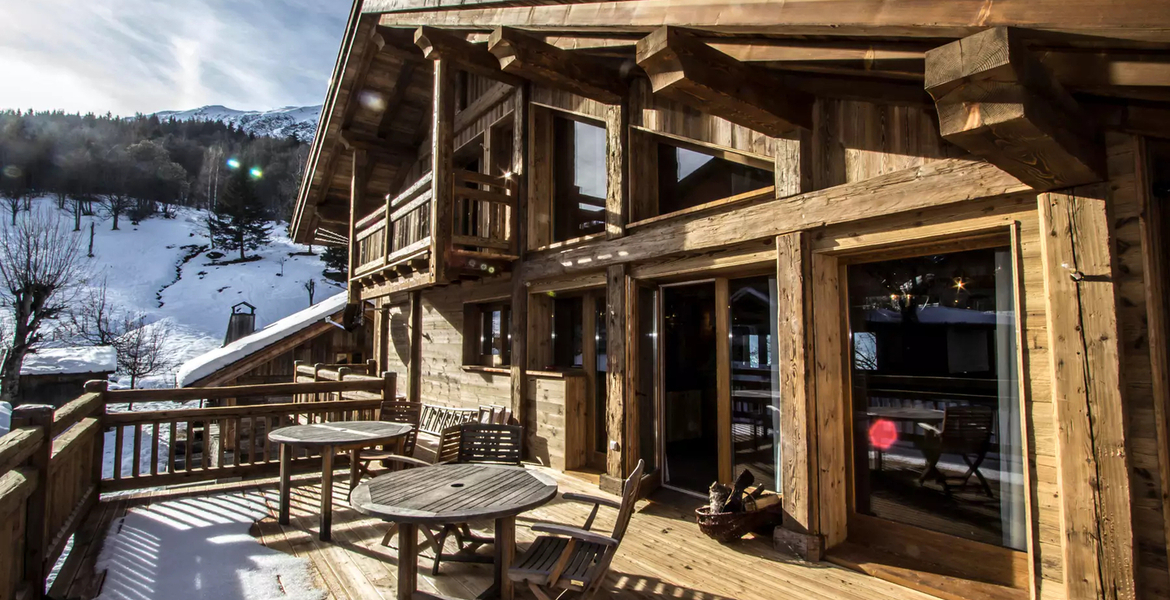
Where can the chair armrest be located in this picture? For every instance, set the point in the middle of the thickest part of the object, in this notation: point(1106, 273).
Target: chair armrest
point(573, 532)
point(930, 428)
point(587, 499)
point(407, 460)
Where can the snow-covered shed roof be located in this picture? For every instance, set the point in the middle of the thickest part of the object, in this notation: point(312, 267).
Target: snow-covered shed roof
point(70, 361)
point(206, 364)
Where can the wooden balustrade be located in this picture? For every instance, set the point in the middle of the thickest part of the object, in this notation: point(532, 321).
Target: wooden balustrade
point(483, 212)
point(396, 232)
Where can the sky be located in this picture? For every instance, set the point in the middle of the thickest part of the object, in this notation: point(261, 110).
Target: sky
point(131, 56)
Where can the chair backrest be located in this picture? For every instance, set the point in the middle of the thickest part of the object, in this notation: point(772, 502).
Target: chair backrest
point(437, 418)
point(448, 450)
point(393, 411)
point(629, 498)
point(494, 413)
point(967, 427)
point(490, 443)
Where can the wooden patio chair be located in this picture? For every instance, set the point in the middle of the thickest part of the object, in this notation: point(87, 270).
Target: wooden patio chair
point(393, 411)
point(469, 443)
point(965, 431)
point(578, 559)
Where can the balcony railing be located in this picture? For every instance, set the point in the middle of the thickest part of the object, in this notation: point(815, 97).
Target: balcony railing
point(396, 239)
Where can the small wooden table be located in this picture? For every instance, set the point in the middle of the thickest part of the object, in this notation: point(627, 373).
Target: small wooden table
point(329, 438)
point(459, 493)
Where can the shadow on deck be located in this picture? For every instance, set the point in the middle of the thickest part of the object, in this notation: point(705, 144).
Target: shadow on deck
point(663, 555)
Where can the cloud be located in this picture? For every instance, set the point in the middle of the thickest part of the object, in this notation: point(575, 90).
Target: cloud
point(127, 56)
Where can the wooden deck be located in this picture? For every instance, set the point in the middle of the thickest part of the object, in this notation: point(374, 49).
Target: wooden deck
point(663, 555)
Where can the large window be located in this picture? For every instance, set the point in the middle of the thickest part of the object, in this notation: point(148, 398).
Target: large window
point(755, 391)
point(688, 178)
point(568, 333)
point(579, 178)
point(487, 334)
point(936, 408)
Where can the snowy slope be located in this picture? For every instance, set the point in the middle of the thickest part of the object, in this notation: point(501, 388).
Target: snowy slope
point(196, 296)
point(298, 121)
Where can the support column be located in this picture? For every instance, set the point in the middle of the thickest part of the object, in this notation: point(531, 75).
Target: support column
point(617, 164)
point(519, 224)
point(414, 369)
point(356, 196)
point(1097, 530)
point(617, 290)
point(442, 148)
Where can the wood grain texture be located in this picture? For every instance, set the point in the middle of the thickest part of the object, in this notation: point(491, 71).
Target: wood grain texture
point(531, 58)
point(617, 395)
point(1079, 263)
point(473, 58)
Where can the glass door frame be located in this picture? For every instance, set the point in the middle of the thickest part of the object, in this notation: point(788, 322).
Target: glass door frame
point(868, 529)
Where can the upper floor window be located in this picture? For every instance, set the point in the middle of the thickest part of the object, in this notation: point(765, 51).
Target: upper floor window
point(579, 178)
point(688, 178)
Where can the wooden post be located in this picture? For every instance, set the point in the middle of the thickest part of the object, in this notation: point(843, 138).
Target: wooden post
point(356, 193)
point(617, 163)
point(723, 378)
point(36, 542)
point(414, 369)
point(1097, 530)
point(407, 560)
point(442, 148)
point(325, 532)
point(798, 449)
point(286, 452)
point(389, 386)
point(519, 226)
point(98, 386)
point(617, 284)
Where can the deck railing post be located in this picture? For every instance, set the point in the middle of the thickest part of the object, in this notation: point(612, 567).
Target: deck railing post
point(99, 386)
point(389, 385)
point(39, 416)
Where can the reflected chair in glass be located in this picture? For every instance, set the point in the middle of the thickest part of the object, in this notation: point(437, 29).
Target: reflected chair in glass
point(965, 431)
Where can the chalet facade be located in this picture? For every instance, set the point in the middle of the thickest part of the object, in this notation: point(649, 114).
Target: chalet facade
point(903, 261)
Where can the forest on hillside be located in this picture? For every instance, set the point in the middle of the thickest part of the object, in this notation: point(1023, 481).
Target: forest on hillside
point(138, 166)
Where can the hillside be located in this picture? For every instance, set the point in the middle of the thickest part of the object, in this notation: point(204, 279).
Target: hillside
point(161, 267)
point(295, 121)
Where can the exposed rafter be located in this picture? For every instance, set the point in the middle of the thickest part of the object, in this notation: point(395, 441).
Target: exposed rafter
point(353, 140)
point(397, 41)
point(687, 70)
point(531, 58)
point(473, 58)
point(997, 101)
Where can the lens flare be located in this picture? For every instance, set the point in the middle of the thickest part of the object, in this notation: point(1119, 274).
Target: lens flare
point(883, 434)
point(372, 100)
point(233, 163)
point(11, 171)
point(255, 173)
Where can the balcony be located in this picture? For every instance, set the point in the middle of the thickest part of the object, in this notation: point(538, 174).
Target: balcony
point(396, 249)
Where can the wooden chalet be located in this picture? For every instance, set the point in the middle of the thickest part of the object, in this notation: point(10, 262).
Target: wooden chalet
point(802, 238)
point(903, 261)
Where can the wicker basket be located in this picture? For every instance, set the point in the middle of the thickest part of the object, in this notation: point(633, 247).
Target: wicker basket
point(731, 526)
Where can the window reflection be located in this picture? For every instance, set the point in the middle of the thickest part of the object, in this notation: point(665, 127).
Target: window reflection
point(936, 415)
point(579, 178)
point(755, 393)
point(687, 178)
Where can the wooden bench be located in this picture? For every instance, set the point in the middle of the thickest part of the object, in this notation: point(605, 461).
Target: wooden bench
point(436, 418)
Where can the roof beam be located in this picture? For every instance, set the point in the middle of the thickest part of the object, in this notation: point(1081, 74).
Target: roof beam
point(397, 41)
point(1137, 21)
point(531, 58)
point(473, 58)
point(353, 140)
point(686, 70)
point(997, 101)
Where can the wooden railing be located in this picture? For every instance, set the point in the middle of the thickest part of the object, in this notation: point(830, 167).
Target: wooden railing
point(482, 215)
point(166, 447)
point(50, 469)
point(395, 233)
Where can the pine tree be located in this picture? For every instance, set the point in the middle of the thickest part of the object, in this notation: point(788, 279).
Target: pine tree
point(336, 260)
point(238, 221)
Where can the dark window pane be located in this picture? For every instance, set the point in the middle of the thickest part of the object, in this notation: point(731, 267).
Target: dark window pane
point(579, 178)
point(567, 333)
point(937, 439)
point(601, 387)
point(755, 384)
point(687, 178)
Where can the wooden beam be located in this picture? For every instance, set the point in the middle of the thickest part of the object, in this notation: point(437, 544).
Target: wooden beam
point(1134, 20)
point(794, 335)
point(1077, 244)
point(397, 97)
point(617, 166)
point(617, 284)
point(997, 101)
point(442, 150)
point(529, 57)
point(519, 226)
point(397, 41)
point(356, 198)
point(414, 369)
point(933, 185)
point(353, 140)
point(723, 410)
point(473, 58)
point(686, 70)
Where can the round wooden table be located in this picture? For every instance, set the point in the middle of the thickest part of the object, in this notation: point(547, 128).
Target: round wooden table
point(458, 493)
point(328, 438)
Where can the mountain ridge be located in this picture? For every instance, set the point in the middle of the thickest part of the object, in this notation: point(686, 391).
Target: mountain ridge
point(295, 121)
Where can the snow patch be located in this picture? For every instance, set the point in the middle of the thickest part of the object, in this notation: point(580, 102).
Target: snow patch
point(200, 548)
point(70, 361)
point(202, 366)
point(5, 417)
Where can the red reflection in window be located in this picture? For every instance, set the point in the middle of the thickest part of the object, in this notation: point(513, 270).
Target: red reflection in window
point(882, 434)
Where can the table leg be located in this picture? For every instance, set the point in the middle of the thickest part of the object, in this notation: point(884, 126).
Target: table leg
point(326, 493)
point(285, 482)
point(355, 473)
point(407, 560)
point(505, 552)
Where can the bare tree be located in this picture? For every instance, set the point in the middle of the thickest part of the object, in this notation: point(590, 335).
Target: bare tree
point(116, 204)
point(14, 202)
point(311, 287)
point(142, 349)
point(40, 267)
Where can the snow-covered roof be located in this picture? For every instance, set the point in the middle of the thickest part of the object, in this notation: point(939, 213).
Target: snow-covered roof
point(201, 366)
point(70, 361)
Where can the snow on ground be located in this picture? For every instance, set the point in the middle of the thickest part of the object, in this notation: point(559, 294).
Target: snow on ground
point(138, 261)
point(5, 417)
point(206, 364)
point(199, 548)
point(70, 360)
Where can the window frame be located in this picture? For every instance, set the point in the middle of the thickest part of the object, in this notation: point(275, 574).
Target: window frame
point(542, 193)
point(474, 314)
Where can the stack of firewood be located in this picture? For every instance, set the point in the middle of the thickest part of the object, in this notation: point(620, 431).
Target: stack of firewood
point(740, 496)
